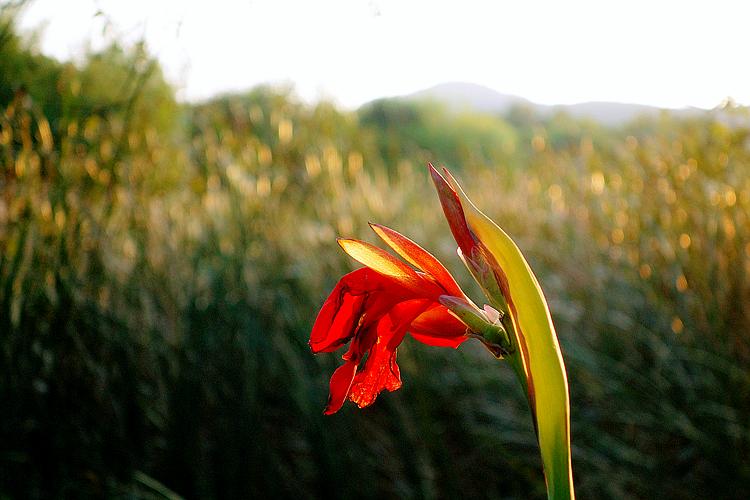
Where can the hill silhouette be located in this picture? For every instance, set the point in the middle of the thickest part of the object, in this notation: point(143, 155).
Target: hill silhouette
point(463, 95)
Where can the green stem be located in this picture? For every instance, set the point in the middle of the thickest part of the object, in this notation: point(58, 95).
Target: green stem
point(556, 465)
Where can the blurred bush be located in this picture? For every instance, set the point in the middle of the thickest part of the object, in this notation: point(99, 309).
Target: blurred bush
point(161, 265)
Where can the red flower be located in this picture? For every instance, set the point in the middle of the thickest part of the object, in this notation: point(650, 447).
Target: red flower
point(374, 307)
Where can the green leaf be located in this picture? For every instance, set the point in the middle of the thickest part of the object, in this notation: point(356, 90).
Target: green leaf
point(538, 358)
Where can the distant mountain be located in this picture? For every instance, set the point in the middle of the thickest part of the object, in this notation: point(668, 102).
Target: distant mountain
point(461, 95)
point(469, 95)
point(609, 113)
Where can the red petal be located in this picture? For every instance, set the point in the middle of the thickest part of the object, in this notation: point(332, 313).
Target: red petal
point(438, 327)
point(418, 257)
point(359, 292)
point(454, 212)
point(451, 342)
point(381, 371)
point(362, 343)
point(341, 381)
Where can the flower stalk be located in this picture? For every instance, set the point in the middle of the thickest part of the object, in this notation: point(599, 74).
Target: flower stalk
point(511, 286)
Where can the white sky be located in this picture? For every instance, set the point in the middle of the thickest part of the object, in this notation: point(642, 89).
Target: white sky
point(662, 53)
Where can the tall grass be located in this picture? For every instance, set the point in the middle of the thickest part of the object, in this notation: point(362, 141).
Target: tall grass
point(158, 280)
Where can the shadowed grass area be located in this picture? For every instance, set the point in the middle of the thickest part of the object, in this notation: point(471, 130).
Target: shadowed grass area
point(161, 265)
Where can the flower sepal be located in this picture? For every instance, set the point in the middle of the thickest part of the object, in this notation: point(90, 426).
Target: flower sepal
point(484, 325)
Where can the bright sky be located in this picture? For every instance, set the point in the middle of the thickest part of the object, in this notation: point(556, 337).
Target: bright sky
point(664, 53)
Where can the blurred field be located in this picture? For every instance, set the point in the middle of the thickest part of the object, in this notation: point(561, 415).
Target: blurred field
point(161, 265)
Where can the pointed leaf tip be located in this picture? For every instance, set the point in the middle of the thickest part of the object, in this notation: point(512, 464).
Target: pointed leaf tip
point(453, 211)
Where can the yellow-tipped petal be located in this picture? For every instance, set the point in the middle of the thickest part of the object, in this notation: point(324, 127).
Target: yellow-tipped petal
point(418, 257)
point(380, 261)
point(541, 359)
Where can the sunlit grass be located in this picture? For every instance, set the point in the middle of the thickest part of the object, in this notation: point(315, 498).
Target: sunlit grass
point(157, 285)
